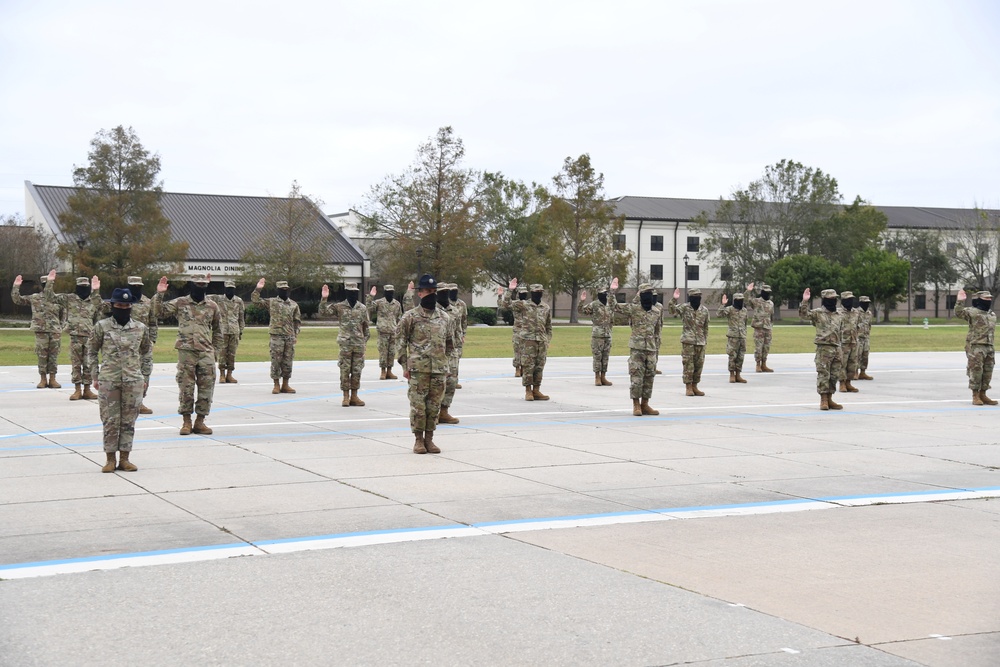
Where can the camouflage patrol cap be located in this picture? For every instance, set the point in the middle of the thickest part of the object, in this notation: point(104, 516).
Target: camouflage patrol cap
point(44, 279)
point(283, 284)
point(82, 281)
point(522, 290)
point(199, 279)
point(351, 287)
point(738, 296)
point(864, 299)
point(135, 280)
point(230, 283)
point(847, 295)
point(828, 294)
point(765, 288)
point(388, 288)
point(537, 287)
point(985, 296)
point(694, 292)
point(444, 286)
point(645, 287)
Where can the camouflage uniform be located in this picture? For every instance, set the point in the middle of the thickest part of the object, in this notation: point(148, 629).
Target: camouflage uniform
point(455, 333)
point(763, 312)
point(644, 346)
point(425, 348)
point(352, 339)
point(515, 333)
point(128, 361)
point(602, 322)
point(461, 310)
point(829, 357)
point(736, 337)
point(849, 342)
point(387, 314)
point(864, 340)
point(694, 338)
point(979, 346)
point(80, 316)
point(534, 336)
point(232, 317)
point(199, 335)
point(47, 323)
point(286, 322)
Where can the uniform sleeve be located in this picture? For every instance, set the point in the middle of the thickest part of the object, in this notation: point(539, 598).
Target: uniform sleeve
point(403, 330)
point(370, 303)
point(96, 341)
point(548, 324)
point(329, 309)
point(412, 296)
point(506, 298)
point(804, 310)
point(672, 308)
point(216, 331)
point(724, 311)
point(297, 320)
point(146, 350)
point(241, 311)
point(166, 308)
point(367, 326)
point(255, 297)
point(585, 307)
point(15, 296)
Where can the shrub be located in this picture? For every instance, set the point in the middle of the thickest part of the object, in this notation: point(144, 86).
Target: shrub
point(483, 315)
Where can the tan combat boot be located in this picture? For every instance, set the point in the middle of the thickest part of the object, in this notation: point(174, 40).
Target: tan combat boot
point(186, 426)
point(200, 426)
point(824, 401)
point(688, 389)
point(732, 377)
point(976, 398)
point(418, 443)
point(458, 385)
point(740, 378)
point(429, 443)
point(389, 375)
point(354, 400)
point(143, 410)
point(758, 368)
point(986, 399)
point(842, 387)
point(124, 463)
point(229, 377)
point(517, 371)
point(850, 387)
point(528, 394)
point(76, 395)
point(694, 388)
point(110, 465)
point(605, 381)
point(862, 375)
point(658, 372)
point(445, 418)
point(764, 368)
point(222, 375)
point(285, 389)
point(347, 399)
point(89, 395)
point(43, 383)
point(636, 408)
point(833, 406)
point(381, 376)
point(646, 409)
point(597, 379)
point(52, 382)
point(539, 396)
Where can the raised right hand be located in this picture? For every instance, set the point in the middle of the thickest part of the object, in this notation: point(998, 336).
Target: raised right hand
point(583, 296)
point(372, 291)
point(325, 291)
point(806, 294)
point(410, 286)
point(161, 286)
point(18, 280)
point(614, 283)
point(750, 287)
point(961, 294)
point(260, 283)
point(725, 299)
point(677, 292)
point(52, 275)
point(512, 284)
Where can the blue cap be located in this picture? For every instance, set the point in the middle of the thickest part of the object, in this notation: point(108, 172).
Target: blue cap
point(427, 282)
point(122, 295)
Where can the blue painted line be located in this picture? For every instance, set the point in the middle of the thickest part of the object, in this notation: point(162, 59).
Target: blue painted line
point(138, 554)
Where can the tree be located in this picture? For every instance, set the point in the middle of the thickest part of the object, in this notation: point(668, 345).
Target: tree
point(294, 246)
point(431, 208)
point(790, 276)
point(977, 253)
point(768, 220)
point(114, 226)
point(24, 249)
point(929, 265)
point(842, 235)
point(879, 274)
point(583, 226)
point(517, 238)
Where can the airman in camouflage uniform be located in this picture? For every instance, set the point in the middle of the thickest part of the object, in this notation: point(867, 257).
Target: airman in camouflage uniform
point(128, 360)
point(387, 312)
point(829, 357)
point(864, 337)
point(979, 347)
point(352, 339)
point(286, 322)
point(850, 317)
point(763, 313)
point(694, 337)
point(47, 323)
point(81, 309)
point(425, 346)
point(461, 309)
point(646, 320)
point(199, 335)
point(232, 316)
point(535, 336)
point(515, 332)
point(602, 315)
point(736, 335)
point(455, 331)
point(142, 311)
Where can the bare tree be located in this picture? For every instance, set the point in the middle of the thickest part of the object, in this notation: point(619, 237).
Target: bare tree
point(975, 250)
point(25, 249)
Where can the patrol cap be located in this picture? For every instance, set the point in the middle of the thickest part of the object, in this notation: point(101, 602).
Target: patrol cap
point(199, 279)
point(847, 295)
point(985, 296)
point(122, 295)
point(135, 280)
point(537, 287)
point(864, 299)
point(694, 292)
point(281, 284)
point(427, 282)
point(350, 287)
point(82, 281)
point(444, 285)
point(522, 290)
point(828, 294)
point(765, 288)
point(44, 279)
point(388, 288)
point(645, 287)
point(230, 283)
point(738, 296)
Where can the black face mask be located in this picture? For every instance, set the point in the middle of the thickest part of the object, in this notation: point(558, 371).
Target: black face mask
point(352, 298)
point(985, 305)
point(197, 292)
point(283, 295)
point(864, 306)
point(429, 301)
point(536, 298)
point(453, 295)
point(830, 303)
point(765, 295)
point(121, 315)
point(603, 297)
point(738, 304)
point(230, 292)
point(646, 299)
point(388, 295)
point(83, 291)
point(442, 298)
point(695, 302)
point(522, 296)
point(848, 304)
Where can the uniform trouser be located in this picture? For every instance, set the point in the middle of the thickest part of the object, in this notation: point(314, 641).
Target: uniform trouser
point(386, 349)
point(282, 355)
point(460, 350)
point(451, 382)
point(79, 346)
point(227, 355)
point(195, 369)
point(641, 372)
point(981, 360)
point(693, 360)
point(761, 344)
point(425, 393)
point(518, 350)
point(533, 355)
point(352, 362)
point(47, 350)
point(119, 409)
point(864, 346)
point(829, 368)
point(736, 349)
point(600, 347)
point(849, 352)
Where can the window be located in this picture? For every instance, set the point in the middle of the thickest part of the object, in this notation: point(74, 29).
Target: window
point(949, 303)
point(982, 251)
point(656, 272)
point(726, 273)
point(727, 247)
point(692, 272)
point(656, 243)
point(694, 243)
point(920, 302)
point(618, 242)
point(951, 249)
point(793, 304)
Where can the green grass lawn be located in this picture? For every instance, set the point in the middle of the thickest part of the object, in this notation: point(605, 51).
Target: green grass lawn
point(17, 347)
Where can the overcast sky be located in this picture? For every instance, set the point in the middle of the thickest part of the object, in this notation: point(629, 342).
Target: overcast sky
point(900, 101)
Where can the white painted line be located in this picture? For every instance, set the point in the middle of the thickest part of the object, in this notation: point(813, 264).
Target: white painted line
point(910, 498)
point(364, 540)
point(571, 522)
point(790, 650)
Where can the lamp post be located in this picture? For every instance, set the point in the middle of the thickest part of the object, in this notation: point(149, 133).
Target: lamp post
point(686, 258)
point(420, 254)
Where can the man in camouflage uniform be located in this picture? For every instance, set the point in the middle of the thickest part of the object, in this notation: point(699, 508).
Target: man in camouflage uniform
point(694, 337)
point(232, 316)
point(387, 312)
point(850, 317)
point(461, 309)
point(535, 336)
point(979, 344)
point(352, 339)
point(81, 309)
point(602, 315)
point(763, 313)
point(646, 320)
point(120, 382)
point(199, 335)
point(864, 337)
point(736, 335)
point(47, 323)
point(829, 357)
point(142, 311)
point(286, 322)
point(515, 332)
point(444, 304)
point(425, 345)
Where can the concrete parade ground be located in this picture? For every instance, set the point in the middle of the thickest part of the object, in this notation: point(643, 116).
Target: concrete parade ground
point(743, 528)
